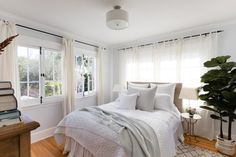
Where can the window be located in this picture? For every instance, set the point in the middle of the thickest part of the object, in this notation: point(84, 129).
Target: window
point(29, 63)
point(85, 75)
point(39, 72)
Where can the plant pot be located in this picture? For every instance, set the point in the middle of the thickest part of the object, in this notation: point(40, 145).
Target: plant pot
point(225, 146)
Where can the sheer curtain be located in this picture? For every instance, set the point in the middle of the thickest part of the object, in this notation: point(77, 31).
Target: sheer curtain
point(175, 61)
point(8, 60)
point(68, 75)
point(166, 59)
point(99, 80)
point(195, 51)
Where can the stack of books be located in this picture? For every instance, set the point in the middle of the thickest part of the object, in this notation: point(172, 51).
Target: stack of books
point(9, 114)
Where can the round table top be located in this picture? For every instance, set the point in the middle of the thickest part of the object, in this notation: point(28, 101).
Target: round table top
point(195, 116)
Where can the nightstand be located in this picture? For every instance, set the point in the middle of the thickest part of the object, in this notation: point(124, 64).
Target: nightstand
point(191, 121)
point(15, 139)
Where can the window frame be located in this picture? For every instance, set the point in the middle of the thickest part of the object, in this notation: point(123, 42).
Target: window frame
point(91, 54)
point(26, 41)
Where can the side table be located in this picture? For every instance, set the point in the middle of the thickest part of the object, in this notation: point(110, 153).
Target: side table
point(191, 121)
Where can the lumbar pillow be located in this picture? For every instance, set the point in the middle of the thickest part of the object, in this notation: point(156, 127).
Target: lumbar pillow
point(163, 102)
point(127, 102)
point(168, 89)
point(138, 85)
point(145, 99)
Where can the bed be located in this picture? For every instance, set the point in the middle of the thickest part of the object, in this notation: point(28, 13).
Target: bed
point(85, 135)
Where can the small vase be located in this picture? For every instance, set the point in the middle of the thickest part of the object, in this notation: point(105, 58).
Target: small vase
point(191, 115)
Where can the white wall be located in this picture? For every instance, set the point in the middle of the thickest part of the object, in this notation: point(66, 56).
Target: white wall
point(48, 115)
point(226, 46)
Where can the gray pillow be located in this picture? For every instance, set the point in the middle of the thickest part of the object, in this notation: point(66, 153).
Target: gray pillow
point(145, 99)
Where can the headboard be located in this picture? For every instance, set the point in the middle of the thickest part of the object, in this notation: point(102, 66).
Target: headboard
point(177, 100)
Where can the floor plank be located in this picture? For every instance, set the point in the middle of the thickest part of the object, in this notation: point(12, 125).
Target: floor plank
point(202, 142)
point(49, 148)
point(46, 148)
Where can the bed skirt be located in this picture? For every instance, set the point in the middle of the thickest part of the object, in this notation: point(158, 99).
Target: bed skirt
point(74, 149)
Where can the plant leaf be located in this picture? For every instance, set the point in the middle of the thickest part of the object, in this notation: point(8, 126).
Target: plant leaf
point(228, 66)
point(216, 61)
point(215, 117)
point(209, 108)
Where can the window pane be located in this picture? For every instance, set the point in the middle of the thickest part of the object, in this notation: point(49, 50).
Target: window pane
point(33, 61)
point(79, 74)
point(34, 90)
point(23, 62)
point(23, 89)
point(49, 87)
point(58, 88)
point(53, 88)
point(48, 60)
point(58, 66)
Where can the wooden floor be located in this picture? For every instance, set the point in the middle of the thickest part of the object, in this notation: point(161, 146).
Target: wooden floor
point(48, 147)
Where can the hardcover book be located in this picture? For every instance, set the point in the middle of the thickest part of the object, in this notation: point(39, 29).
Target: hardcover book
point(10, 122)
point(8, 102)
point(6, 91)
point(10, 115)
point(5, 85)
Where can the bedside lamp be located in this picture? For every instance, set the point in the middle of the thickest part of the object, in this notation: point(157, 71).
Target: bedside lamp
point(188, 93)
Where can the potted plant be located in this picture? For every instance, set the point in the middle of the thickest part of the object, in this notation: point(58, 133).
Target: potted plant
point(219, 95)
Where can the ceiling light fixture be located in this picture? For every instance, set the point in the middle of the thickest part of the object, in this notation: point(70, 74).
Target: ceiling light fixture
point(117, 19)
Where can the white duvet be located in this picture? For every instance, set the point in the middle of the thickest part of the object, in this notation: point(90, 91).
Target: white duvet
point(166, 124)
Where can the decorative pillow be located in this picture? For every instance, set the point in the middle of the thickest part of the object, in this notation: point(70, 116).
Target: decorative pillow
point(145, 99)
point(163, 102)
point(127, 102)
point(168, 89)
point(138, 85)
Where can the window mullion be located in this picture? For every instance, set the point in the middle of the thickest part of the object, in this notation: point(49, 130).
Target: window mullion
point(53, 73)
point(83, 75)
point(28, 73)
point(42, 75)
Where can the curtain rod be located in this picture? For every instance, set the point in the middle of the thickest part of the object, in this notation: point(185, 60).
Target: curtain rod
point(163, 41)
point(48, 33)
point(55, 35)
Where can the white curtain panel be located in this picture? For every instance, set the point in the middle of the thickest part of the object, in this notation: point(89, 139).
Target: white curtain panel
point(68, 75)
point(176, 61)
point(99, 73)
point(8, 60)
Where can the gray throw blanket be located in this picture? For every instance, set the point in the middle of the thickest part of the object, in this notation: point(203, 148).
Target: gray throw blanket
point(134, 135)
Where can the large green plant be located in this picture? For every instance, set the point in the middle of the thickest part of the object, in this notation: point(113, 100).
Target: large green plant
point(219, 90)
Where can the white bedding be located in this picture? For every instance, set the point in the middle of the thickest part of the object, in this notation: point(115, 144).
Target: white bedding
point(164, 123)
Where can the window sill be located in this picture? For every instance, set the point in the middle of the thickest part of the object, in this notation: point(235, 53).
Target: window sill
point(47, 101)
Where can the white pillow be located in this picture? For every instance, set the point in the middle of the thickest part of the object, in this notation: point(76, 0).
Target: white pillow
point(163, 102)
point(127, 102)
point(137, 85)
point(145, 99)
point(168, 89)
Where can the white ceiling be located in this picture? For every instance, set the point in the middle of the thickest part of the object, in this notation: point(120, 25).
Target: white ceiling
point(147, 17)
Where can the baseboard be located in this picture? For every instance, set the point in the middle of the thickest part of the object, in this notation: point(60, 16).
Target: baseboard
point(43, 134)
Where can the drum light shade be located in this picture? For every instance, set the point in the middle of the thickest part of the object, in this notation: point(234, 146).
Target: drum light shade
point(117, 19)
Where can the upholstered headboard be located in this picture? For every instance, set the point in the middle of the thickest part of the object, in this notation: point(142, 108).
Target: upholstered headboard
point(177, 100)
